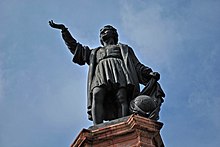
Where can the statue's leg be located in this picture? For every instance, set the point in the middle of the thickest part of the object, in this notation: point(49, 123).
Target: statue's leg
point(97, 104)
point(123, 102)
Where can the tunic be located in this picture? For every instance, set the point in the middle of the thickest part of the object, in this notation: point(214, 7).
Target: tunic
point(110, 71)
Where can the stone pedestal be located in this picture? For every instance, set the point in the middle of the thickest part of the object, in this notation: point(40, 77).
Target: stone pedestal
point(131, 131)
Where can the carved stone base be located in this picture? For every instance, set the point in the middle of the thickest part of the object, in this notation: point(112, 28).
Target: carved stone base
point(131, 131)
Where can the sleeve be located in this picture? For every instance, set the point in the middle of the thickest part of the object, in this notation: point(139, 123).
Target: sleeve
point(81, 53)
point(69, 40)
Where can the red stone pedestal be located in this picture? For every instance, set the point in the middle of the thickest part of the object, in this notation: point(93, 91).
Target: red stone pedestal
point(131, 131)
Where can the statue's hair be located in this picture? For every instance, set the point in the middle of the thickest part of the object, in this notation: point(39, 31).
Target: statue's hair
point(114, 32)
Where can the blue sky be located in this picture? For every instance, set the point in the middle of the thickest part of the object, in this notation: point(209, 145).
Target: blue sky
point(43, 94)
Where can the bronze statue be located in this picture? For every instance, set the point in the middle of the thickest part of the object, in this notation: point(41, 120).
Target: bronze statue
point(114, 76)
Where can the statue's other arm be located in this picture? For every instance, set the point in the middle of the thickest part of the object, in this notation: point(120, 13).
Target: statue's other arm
point(144, 73)
point(81, 53)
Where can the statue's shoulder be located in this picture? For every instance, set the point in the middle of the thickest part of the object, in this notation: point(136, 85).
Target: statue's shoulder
point(124, 45)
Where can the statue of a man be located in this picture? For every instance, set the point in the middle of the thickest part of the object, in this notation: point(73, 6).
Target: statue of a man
point(114, 73)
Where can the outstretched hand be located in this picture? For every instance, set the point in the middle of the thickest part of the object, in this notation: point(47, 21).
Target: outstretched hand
point(56, 26)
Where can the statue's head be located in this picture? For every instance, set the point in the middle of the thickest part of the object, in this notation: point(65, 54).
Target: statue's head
point(107, 32)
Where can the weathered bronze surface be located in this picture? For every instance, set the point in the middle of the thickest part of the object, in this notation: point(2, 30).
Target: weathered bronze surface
point(114, 78)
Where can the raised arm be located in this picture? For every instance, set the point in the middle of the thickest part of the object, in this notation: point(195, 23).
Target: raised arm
point(67, 37)
point(81, 53)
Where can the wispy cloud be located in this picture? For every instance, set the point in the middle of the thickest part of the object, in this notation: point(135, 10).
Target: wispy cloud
point(156, 35)
point(162, 31)
point(183, 37)
point(204, 100)
point(1, 83)
point(2, 80)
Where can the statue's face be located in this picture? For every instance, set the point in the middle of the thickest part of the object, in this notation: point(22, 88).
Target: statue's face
point(108, 32)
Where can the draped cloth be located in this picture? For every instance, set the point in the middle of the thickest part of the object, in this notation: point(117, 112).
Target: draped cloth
point(156, 93)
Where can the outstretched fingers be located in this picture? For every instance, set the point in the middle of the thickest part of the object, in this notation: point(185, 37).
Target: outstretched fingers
point(56, 26)
point(51, 23)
